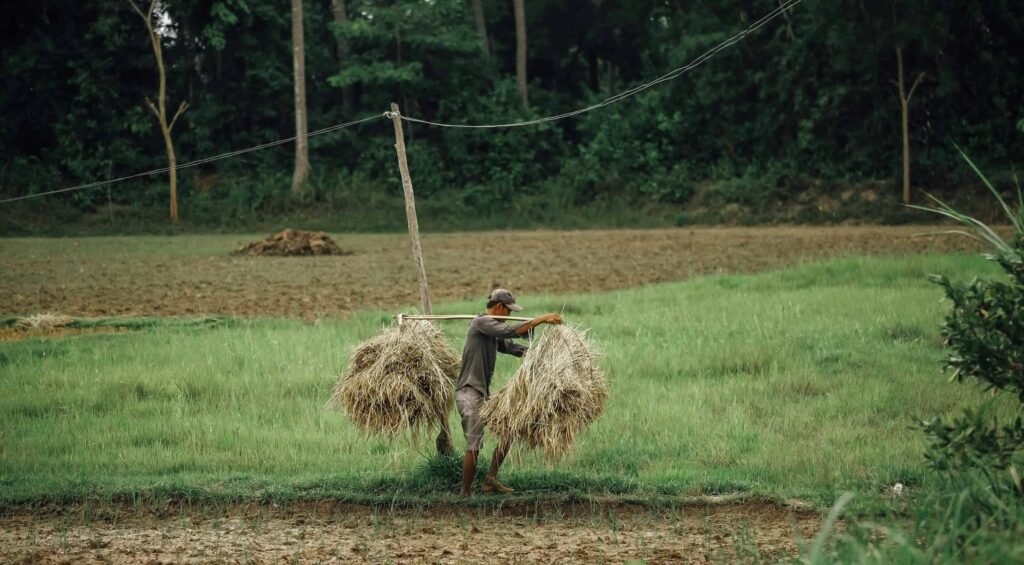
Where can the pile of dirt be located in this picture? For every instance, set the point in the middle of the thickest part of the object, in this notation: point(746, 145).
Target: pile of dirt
point(290, 243)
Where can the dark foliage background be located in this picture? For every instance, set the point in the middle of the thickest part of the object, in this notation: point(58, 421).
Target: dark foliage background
point(776, 127)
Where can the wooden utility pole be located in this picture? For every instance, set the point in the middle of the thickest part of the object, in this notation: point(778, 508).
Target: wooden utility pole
point(444, 438)
point(905, 118)
point(410, 210)
point(299, 67)
point(160, 108)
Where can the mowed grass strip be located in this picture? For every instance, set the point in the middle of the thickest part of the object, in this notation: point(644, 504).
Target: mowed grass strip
point(797, 383)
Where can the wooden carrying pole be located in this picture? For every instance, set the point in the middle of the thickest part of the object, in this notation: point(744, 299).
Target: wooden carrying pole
point(444, 437)
point(403, 317)
point(410, 210)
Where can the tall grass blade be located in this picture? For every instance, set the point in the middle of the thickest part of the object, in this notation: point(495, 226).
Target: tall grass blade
point(1018, 222)
point(986, 234)
point(818, 547)
point(966, 234)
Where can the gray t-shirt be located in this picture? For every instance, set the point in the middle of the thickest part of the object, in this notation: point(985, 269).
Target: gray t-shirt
point(485, 338)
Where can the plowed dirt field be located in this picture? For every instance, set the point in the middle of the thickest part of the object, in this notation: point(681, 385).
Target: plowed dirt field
point(189, 275)
point(717, 533)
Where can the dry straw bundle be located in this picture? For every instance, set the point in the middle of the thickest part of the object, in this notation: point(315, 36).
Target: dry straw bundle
point(44, 321)
point(555, 394)
point(401, 380)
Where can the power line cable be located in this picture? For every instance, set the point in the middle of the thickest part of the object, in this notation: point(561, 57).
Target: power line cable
point(610, 100)
point(632, 91)
point(192, 163)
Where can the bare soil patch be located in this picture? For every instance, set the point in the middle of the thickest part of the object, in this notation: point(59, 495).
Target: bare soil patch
point(17, 333)
point(191, 275)
point(324, 532)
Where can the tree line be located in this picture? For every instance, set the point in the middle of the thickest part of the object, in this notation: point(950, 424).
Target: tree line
point(845, 90)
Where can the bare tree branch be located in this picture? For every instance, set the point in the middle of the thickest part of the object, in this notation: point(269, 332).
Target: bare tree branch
point(917, 81)
point(152, 107)
point(181, 110)
point(899, 69)
point(148, 16)
point(136, 8)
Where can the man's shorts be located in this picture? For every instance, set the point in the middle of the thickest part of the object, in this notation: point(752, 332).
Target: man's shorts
point(469, 401)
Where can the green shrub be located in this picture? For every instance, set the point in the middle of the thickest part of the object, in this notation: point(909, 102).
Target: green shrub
point(985, 330)
point(976, 511)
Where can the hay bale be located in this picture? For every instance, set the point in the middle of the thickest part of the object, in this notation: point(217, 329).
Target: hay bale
point(555, 394)
point(400, 381)
point(289, 243)
point(44, 321)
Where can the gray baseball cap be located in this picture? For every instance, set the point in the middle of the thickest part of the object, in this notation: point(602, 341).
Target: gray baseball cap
point(505, 297)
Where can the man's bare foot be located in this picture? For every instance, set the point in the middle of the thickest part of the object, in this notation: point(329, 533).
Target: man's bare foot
point(492, 485)
point(465, 493)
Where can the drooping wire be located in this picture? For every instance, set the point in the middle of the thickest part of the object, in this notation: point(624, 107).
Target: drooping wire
point(192, 163)
point(632, 91)
point(783, 7)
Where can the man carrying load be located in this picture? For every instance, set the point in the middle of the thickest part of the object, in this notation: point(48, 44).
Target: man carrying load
point(486, 337)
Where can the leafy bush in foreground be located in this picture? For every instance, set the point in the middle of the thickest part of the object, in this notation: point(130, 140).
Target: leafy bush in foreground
point(985, 330)
point(977, 512)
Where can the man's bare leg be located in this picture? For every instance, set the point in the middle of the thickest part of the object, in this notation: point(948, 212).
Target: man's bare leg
point(468, 472)
point(444, 439)
point(491, 483)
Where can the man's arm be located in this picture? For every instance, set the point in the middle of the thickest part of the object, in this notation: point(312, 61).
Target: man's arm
point(545, 319)
point(510, 347)
point(494, 328)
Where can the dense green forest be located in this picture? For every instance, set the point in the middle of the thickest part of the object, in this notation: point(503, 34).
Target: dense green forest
point(784, 125)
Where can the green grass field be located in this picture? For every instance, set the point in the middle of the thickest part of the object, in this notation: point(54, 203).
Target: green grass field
point(799, 383)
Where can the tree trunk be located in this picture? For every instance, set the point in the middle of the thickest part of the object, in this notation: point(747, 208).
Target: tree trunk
point(299, 65)
point(341, 18)
point(520, 13)
point(481, 27)
point(905, 120)
point(160, 108)
point(593, 71)
point(172, 163)
point(789, 22)
point(906, 152)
